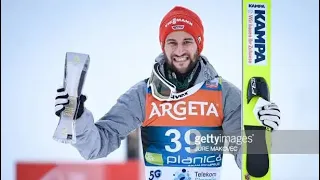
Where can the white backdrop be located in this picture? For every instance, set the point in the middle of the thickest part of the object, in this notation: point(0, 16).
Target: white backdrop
point(122, 40)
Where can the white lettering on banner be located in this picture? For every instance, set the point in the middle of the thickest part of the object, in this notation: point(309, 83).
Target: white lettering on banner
point(182, 109)
point(194, 161)
point(176, 20)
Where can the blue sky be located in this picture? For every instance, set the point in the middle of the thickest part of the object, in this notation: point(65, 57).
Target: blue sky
point(122, 40)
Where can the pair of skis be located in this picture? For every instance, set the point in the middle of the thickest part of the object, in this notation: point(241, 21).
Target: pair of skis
point(256, 29)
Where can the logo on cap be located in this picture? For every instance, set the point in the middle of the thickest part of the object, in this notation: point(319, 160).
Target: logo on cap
point(199, 39)
point(177, 27)
point(177, 20)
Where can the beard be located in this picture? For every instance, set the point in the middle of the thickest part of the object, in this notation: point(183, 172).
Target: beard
point(193, 62)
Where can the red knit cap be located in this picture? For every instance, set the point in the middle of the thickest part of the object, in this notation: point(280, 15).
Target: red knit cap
point(182, 19)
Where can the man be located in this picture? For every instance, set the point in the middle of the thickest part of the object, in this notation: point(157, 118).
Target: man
point(182, 100)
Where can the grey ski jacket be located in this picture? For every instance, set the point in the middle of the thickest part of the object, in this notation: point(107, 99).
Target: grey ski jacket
point(100, 138)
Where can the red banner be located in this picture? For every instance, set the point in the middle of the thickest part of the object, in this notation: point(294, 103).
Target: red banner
point(78, 171)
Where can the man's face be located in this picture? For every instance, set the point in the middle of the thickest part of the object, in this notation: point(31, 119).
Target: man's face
point(181, 51)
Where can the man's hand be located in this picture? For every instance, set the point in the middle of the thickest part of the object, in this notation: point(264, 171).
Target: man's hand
point(268, 113)
point(62, 100)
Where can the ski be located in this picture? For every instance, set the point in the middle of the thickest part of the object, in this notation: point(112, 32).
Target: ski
point(256, 29)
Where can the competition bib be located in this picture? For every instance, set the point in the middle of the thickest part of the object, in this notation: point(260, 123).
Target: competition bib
point(177, 153)
point(178, 136)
